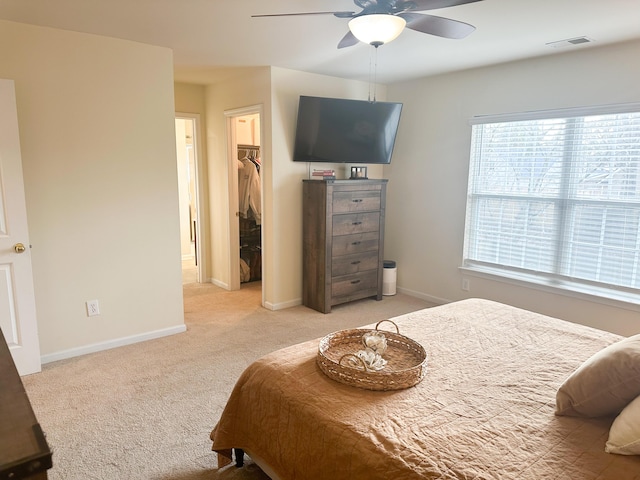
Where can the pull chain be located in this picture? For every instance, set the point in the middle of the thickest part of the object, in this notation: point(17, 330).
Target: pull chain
point(375, 71)
point(373, 65)
point(370, 74)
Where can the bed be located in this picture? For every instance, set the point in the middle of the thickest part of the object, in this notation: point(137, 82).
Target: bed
point(486, 408)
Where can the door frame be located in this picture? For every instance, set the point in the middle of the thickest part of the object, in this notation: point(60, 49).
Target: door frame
point(234, 227)
point(200, 201)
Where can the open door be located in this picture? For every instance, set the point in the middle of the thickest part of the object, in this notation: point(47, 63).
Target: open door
point(17, 297)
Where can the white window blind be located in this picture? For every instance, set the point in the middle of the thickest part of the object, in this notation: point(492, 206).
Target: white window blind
point(557, 197)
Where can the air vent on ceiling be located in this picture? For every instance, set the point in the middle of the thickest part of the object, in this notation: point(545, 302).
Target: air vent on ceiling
point(569, 42)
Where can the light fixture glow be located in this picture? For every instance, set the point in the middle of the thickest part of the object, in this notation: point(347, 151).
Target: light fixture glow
point(377, 29)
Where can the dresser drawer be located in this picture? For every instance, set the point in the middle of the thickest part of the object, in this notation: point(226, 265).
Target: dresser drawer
point(356, 223)
point(356, 243)
point(357, 262)
point(356, 201)
point(356, 283)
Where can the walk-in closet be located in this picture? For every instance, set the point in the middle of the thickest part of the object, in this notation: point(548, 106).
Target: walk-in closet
point(250, 208)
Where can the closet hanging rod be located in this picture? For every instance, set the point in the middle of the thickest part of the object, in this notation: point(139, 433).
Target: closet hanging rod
point(248, 147)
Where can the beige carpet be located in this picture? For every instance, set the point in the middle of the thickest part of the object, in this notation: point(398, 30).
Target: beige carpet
point(145, 411)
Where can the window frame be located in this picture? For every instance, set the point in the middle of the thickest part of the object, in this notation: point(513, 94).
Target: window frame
point(557, 284)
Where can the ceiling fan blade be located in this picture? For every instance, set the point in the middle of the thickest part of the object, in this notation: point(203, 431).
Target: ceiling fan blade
point(421, 5)
point(337, 14)
point(344, 14)
point(441, 27)
point(348, 40)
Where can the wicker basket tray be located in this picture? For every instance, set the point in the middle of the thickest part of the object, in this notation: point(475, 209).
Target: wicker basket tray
point(405, 367)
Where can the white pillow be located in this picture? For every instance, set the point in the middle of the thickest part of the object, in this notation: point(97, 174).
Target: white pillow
point(624, 435)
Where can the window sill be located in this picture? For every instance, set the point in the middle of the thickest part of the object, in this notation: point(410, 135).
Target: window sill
point(605, 296)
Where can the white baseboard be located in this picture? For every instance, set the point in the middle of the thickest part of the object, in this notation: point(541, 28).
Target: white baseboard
point(283, 305)
point(218, 283)
point(406, 291)
point(118, 342)
point(424, 296)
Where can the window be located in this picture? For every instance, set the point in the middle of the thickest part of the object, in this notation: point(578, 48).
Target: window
point(554, 197)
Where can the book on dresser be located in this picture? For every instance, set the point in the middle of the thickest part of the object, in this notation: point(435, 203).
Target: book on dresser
point(343, 241)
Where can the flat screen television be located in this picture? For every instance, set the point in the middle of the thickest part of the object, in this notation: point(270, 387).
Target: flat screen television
point(336, 130)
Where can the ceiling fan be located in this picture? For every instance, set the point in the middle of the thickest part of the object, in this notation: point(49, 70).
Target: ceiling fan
point(379, 15)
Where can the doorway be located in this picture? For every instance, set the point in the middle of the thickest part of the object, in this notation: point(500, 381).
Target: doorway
point(245, 160)
point(188, 167)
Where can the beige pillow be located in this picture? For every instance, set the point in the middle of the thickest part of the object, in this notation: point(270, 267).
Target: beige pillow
point(624, 436)
point(605, 383)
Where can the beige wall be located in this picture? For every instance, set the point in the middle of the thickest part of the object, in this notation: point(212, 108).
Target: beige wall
point(105, 204)
point(286, 182)
point(428, 175)
point(248, 89)
point(97, 134)
point(96, 118)
point(190, 98)
point(277, 91)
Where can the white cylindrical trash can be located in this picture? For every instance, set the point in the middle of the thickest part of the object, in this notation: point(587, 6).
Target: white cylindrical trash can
point(389, 275)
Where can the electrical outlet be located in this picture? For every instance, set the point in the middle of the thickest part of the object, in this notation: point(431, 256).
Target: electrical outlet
point(465, 284)
point(93, 308)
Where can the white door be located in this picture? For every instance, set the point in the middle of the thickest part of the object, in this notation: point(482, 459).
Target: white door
point(17, 300)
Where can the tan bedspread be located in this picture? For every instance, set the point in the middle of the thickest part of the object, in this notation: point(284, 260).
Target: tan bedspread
point(485, 409)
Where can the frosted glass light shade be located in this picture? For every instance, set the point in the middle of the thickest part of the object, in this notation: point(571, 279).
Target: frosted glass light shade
point(377, 29)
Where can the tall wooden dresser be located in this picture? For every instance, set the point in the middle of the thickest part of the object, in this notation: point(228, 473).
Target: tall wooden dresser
point(343, 240)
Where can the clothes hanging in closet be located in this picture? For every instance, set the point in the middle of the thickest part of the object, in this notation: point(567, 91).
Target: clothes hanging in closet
point(250, 207)
point(249, 197)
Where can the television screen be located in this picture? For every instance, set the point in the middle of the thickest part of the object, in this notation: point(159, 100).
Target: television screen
point(335, 130)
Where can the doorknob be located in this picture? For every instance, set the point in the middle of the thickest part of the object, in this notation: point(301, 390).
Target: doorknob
point(19, 248)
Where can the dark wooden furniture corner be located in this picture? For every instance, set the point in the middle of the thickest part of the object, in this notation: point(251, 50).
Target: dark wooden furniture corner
point(24, 453)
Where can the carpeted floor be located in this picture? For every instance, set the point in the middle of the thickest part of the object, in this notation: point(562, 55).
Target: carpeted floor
point(145, 411)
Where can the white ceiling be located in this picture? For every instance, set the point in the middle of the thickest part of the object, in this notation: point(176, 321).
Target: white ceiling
point(210, 36)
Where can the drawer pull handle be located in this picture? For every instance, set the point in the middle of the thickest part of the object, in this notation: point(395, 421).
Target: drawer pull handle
point(357, 200)
point(353, 282)
point(356, 223)
point(356, 243)
point(355, 262)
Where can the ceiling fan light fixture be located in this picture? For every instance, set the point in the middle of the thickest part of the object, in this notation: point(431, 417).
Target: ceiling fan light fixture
point(377, 29)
